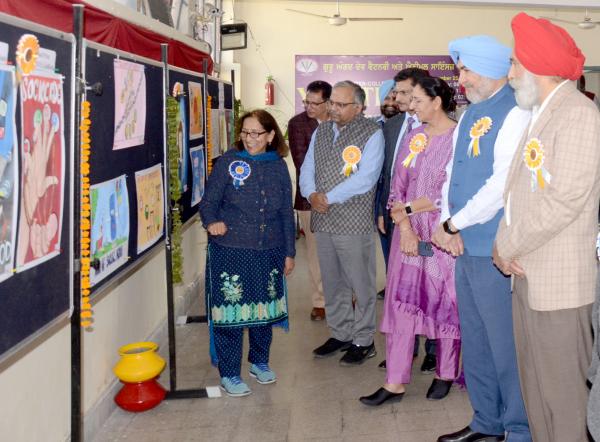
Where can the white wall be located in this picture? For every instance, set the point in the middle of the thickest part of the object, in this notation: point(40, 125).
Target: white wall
point(426, 29)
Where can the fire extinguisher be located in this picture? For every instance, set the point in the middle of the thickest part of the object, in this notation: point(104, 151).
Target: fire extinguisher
point(270, 91)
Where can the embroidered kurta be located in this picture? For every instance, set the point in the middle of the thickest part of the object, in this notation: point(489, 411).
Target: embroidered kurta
point(420, 293)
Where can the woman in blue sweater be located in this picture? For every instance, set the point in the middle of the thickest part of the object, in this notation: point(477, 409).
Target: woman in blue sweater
point(247, 210)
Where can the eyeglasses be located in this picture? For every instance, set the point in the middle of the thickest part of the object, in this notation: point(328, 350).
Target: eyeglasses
point(253, 135)
point(313, 103)
point(338, 105)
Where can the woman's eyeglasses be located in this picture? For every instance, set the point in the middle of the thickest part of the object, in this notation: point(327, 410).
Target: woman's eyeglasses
point(253, 135)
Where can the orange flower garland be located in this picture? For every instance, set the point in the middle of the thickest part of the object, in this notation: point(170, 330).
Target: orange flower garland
point(209, 145)
point(85, 223)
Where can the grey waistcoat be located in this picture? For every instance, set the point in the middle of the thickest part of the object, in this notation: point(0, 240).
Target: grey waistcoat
point(356, 215)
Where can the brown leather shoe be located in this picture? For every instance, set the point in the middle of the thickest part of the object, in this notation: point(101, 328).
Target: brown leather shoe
point(317, 314)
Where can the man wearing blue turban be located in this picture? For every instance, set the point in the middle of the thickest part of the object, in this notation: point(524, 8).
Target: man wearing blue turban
point(485, 142)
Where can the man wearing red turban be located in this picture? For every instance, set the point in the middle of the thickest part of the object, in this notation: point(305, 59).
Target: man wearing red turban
point(548, 234)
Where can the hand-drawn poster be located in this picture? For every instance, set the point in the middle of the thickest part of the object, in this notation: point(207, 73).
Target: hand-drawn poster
point(197, 160)
point(8, 171)
point(223, 129)
point(110, 227)
point(196, 110)
point(42, 169)
point(130, 104)
point(215, 134)
point(182, 144)
point(150, 206)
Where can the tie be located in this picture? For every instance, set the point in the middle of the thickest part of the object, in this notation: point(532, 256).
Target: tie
point(409, 126)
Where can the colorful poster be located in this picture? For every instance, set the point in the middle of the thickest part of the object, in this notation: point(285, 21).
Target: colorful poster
point(197, 160)
point(42, 169)
point(223, 129)
point(150, 206)
point(110, 227)
point(196, 110)
point(215, 134)
point(182, 144)
point(130, 104)
point(8, 171)
point(369, 71)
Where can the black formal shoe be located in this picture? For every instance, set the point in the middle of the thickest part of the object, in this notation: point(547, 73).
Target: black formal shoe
point(428, 364)
point(468, 435)
point(439, 389)
point(357, 354)
point(381, 294)
point(380, 396)
point(331, 347)
point(383, 365)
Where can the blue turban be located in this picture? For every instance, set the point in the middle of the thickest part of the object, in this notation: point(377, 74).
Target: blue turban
point(385, 88)
point(482, 54)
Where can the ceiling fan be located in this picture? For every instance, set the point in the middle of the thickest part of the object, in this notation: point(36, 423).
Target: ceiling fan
point(586, 23)
point(338, 20)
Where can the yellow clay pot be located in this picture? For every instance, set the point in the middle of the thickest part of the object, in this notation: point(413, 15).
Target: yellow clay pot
point(139, 362)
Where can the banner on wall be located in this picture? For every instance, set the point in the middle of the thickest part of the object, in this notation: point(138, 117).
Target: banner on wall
point(197, 160)
point(130, 104)
point(150, 206)
point(8, 171)
point(369, 71)
point(42, 169)
point(196, 112)
point(110, 227)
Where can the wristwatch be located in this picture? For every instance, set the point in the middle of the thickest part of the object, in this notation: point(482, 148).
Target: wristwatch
point(447, 228)
point(408, 209)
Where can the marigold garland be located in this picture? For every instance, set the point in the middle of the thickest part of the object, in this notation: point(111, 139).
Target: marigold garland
point(86, 319)
point(208, 137)
point(174, 190)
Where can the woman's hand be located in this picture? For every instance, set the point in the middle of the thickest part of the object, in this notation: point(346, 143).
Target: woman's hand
point(409, 242)
point(289, 266)
point(398, 212)
point(217, 229)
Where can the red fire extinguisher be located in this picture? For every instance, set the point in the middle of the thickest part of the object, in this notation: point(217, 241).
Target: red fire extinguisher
point(270, 91)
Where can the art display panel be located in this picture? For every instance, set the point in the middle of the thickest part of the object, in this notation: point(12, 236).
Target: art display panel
point(150, 206)
point(130, 104)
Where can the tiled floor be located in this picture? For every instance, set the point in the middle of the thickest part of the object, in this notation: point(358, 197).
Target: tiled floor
point(313, 400)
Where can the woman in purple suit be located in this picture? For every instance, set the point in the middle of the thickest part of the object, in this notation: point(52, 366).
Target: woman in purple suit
point(420, 295)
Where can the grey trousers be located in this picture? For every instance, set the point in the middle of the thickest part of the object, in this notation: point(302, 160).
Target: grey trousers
point(553, 355)
point(348, 268)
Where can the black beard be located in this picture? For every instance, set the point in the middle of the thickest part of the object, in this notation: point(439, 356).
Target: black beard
point(389, 111)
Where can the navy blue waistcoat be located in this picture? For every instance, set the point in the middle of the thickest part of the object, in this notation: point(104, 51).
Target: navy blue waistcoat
point(469, 174)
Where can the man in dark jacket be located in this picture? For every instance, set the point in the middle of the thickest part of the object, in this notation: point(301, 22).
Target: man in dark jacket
point(300, 130)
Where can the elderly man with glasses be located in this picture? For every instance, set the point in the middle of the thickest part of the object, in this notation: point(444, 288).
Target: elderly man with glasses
point(339, 176)
point(300, 130)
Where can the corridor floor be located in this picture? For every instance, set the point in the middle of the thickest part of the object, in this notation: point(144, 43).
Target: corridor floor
point(313, 399)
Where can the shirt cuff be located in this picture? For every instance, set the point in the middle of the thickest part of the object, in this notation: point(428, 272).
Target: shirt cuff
point(459, 221)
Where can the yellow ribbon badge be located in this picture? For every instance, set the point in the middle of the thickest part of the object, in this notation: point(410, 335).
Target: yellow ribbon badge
point(351, 156)
point(533, 156)
point(417, 144)
point(479, 129)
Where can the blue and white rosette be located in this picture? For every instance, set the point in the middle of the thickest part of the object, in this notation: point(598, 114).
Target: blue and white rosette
point(239, 171)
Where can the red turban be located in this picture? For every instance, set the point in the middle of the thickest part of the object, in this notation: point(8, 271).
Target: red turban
point(546, 49)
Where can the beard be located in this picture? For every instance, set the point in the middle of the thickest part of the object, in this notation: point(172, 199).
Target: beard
point(526, 90)
point(389, 111)
point(483, 92)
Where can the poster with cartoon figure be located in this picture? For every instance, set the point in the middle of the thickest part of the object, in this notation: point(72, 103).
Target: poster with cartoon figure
point(130, 104)
point(42, 169)
point(196, 110)
point(110, 227)
point(150, 206)
point(8, 171)
point(197, 160)
point(182, 144)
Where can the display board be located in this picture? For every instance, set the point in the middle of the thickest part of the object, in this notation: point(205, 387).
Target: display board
point(36, 145)
point(127, 159)
point(221, 114)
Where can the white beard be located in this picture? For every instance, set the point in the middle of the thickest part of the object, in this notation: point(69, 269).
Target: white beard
point(526, 91)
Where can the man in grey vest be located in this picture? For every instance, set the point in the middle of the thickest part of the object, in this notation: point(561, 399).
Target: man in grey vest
point(339, 176)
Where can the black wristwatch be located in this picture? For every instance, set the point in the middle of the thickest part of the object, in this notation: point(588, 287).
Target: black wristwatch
point(408, 209)
point(447, 228)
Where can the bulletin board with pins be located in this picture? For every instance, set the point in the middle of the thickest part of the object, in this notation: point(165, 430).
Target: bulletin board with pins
point(36, 142)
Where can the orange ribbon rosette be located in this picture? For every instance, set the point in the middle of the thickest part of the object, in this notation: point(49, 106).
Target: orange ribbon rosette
point(479, 129)
point(27, 53)
point(351, 156)
point(533, 156)
point(417, 144)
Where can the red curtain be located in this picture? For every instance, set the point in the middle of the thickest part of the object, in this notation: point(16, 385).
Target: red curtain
point(101, 27)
